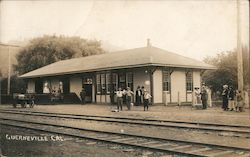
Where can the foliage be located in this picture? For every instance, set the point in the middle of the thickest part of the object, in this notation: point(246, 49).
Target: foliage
point(49, 49)
point(226, 73)
point(17, 85)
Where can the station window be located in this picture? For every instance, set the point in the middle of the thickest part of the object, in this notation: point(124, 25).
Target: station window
point(189, 81)
point(103, 85)
point(115, 81)
point(166, 80)
point(98, 83)
point(108, 82)
point(130, 80)
point(122, 80)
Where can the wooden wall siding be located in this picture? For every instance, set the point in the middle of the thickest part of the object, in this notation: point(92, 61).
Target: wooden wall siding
point(157, 86)
point(178, 85)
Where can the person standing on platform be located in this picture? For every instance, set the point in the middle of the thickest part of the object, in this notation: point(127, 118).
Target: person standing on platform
point(142, 93)
point(46, 88)
point(225, 97)
point(112, 96)
point(124, 97)
point(53, 91)
point(129, 95)
point(147, 96)
point(231, 94)
point(209, 97)
point(59, 92)
point(83, 95)
point(138, 95)
point(196, 96)
point(119, 95)
point(204, 97)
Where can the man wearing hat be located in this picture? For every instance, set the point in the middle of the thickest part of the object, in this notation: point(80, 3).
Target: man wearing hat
point(83, 95)
point(119, 95)
point(129, 95)
point(204, 96)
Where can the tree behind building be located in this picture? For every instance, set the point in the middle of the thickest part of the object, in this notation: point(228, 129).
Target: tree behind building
point(49, 49)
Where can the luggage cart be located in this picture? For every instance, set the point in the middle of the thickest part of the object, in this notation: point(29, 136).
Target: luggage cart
point(23, 100)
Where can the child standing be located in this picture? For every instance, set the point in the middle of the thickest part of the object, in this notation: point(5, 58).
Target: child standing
point(147, 96)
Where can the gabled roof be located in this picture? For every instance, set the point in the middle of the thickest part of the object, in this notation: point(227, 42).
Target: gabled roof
point(137, 57)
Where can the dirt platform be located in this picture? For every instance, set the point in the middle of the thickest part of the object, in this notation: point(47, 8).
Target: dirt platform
point(183, 113)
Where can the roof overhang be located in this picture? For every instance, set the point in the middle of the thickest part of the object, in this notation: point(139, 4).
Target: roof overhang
point(117, 68)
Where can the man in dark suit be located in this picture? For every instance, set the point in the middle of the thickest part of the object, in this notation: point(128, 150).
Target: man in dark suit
point(83, 95)
point(204, 97)
point(225, 97)
point(138, 95)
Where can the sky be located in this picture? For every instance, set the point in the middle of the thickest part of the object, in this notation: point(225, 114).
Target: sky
point(192, 28)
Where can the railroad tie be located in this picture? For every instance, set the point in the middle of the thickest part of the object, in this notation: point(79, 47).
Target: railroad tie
point(199, 150)
point(161, 144)
point(102, 136)
point(111, 138)
point(137, 141)
point(150, 142)
point(181, 147)
point(220, 153)
point(123, 139)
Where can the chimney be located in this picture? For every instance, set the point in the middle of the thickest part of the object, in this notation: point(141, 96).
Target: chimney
point(148, 43)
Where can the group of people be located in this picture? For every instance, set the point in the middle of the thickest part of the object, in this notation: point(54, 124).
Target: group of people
point(201, 96)
point(232, 100)
point(55, 93)
point(125, 96)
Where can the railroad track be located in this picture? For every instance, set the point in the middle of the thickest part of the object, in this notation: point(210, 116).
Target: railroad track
point(228, 130)
point(167, 145)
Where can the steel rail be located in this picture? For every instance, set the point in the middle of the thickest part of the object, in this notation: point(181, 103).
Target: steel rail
point(104, 140)
point(142, 119)
point(212, 145)
point(130, 121)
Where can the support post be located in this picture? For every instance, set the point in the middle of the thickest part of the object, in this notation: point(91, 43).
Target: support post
point(9, 71)
point(239, 50)
point(151, 86)
point(179, 104)
point(151, 73)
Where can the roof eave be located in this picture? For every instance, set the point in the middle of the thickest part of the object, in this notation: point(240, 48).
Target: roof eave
point(118, 67)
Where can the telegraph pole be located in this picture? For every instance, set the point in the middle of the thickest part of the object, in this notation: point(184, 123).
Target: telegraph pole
point(239, 50)
point(9, 71)
point(9, 48)
point(239, 53)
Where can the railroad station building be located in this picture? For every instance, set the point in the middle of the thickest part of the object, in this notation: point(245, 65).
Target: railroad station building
point(169, 77)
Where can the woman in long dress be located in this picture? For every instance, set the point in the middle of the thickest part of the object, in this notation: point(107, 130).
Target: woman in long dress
point(196, 96)
point(225, 97)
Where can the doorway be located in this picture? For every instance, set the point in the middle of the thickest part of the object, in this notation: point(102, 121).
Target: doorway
point(87, 85)
point(39, 86)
